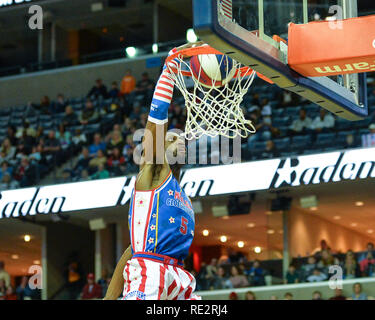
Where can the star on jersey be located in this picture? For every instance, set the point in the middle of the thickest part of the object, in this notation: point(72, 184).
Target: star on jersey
point(170, 192)
point(141, 202)
point(151, 240)
point(171, 220)
point(154, 215)
point(152, 228)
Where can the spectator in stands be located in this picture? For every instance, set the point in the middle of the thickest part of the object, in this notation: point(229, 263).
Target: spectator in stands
point(249, 295)
point(233, 296)
point(100, 159)
point(116, 141)
point(324, 122)
point(102, 173)
point(84, 176)
point(25, 173)
point(128, 83)
point(145, 87)
point(73, 277)
point(237, 279)
point(116, 162)
point(317, 295)
point(316, 276)
point(357, 293)
point(89, 114)
point(114, 92)
point(221, 281)
point(79, 139)
point(70, 118)
point(97, 145)
point(288, 296)
point(4, 275)
point(350, 266)
point(11, 135)
point(52, 148)
point(10, 294)
point(59, 105)
point(23, 291)
point(368, 140)
point(202, 277)
point(83, 161)
point(64, 136)
point(270, 152)
point(292, 275)
point(7, 150)
point(273, 297)
point(3, 289)
point(36, 155)
point(338, 295)
point(326, 260)
point(211, 270)
point(256, 274)
point(367, 261)
point(5, 169)
point(302, 124)
point(7, 183)
point(45, 105)
point(91, 290)
point(98, 90)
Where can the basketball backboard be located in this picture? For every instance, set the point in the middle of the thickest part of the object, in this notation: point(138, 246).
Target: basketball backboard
point(246, 29)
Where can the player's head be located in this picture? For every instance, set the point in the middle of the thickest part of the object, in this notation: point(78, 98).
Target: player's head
point(175, 149)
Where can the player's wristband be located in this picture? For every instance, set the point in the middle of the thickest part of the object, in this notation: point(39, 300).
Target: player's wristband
point(162, 99)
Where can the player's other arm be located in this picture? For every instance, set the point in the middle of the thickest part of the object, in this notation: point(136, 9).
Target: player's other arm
point(117, 282)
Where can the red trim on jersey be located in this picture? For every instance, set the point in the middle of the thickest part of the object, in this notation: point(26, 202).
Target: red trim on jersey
point(148, 220)
point(143, 275)
point(163, 96)
point(172, 287)
point(161, 283)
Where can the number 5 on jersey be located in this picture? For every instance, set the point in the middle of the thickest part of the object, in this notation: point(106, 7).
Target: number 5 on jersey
point(183, 228)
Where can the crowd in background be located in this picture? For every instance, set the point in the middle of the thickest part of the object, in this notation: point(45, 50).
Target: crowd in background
point(94, 134)
point(235, 271)
point(229, 272)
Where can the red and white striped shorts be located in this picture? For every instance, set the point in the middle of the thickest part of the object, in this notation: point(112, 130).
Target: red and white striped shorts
point(156, 277)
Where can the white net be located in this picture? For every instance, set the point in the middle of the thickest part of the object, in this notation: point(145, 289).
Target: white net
point(213, 110)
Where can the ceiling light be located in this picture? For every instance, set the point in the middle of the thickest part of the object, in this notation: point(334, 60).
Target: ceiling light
point(15, 256)
point(359, 204)
point(36, 261)
point(206, 232)
point(268, 213)
point(336, 217)
point(240, 244)
point(131, 52)
point(155, 48)
point(270, 231)
point(370, 231)
point(27, 238)
point(354, 224)
point(314, 208)
point(257, 250)
point(251, 225)
point(223, 238)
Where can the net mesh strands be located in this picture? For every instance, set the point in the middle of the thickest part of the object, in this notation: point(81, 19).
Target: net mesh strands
point(211, 110)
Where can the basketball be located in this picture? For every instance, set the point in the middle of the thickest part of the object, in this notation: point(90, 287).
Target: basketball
point(212, 70)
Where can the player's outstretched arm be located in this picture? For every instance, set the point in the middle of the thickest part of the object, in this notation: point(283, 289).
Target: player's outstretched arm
point(117, 282)
point(156, 129)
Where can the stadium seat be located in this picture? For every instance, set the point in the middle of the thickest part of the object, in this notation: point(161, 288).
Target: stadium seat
point(92, 128)
point(301, 142)
point(281, 122)
point(324, 139)
point(278, 113)
point(282, 145)
point(342, 124)
point(292, 111)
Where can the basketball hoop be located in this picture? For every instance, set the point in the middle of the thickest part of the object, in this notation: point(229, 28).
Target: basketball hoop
point(215, 109)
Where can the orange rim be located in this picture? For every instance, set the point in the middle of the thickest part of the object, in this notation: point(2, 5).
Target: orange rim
point(194, 51)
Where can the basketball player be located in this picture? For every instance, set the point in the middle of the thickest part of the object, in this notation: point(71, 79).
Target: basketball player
point(161, 218)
